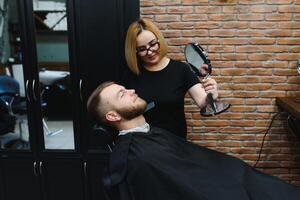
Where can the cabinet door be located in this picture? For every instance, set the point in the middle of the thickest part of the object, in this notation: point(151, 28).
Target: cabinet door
point(55, 78)
point(62, 178)
point(95, 189)
point(1, 181)
point(20, 179)
point(14, 134)
point(97, 49)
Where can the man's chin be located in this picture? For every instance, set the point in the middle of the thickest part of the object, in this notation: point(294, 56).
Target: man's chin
point(131, 113)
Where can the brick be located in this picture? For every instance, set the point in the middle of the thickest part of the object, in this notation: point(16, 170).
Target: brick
point(278, 33)
point(167, 2)
point(236, 25)
point(180, 10)
point(247, 79)
point(294, 80)
point(273, 79)
point(263, 25)
point(233, 56)
point(285, 87)
point(144, 3)
point(221, 33)
point(207, 25)
point(194, 17)
point(279, 17)
point(153, 10)
point(296, 34)
point(247, 64)
point(287, 56)
point(289, 9)
point(251, 17)
point(180, 25)
point(289, 25)
point(233, 72)
point(251, 1)
point(296, 17)
point(194, 33)
point(260, 56)
point(272, 94)
point(167, 18)
point(262, 41)
point(279, 1)
point(247, 48)
point(230, 143)
point(256, 116)
point(258, 101)
point(285, 72)
point(274, 48)
point(228, 115)
point(217, 123)
point(218, 2)
point(260, 71)
point(221, 48)
point(171, 34)
point(231, 130)
point(263, 9)
point(193, 2)
point(247, 33)
point(229, 41)
point(221, 17)
point(275, 64)
point(243, 123)
point(244, 108)
point(243, 150)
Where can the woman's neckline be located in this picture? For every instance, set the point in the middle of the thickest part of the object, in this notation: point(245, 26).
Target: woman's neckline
point(163, 63)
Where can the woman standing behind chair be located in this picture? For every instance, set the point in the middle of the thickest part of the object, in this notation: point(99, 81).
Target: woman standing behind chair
point(159, 79)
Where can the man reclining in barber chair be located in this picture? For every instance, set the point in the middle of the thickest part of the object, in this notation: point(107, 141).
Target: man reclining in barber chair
point(149, 163)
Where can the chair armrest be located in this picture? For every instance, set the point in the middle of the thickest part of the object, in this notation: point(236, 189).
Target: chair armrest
point(9, 94)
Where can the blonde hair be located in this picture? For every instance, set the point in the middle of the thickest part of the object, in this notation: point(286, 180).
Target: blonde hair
point(134, 30)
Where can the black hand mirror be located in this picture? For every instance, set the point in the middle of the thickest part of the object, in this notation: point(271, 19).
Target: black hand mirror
point(196, 57)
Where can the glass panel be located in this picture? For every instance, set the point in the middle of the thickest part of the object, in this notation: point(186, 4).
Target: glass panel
point(14, 134)
point(53, 62)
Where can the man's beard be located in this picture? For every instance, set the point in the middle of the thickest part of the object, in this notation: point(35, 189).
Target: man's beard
point(130, 113)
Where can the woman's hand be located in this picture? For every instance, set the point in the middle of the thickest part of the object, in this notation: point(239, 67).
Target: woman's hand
point(210, 86)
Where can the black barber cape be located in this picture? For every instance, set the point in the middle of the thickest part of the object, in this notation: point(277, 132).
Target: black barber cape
point(160, 166)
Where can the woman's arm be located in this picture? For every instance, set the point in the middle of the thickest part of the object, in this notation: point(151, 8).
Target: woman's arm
point(199, 91)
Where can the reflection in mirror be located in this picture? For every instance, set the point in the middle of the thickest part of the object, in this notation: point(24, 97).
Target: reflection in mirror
point(14, 134)
point(53, 63)
point(196, 58)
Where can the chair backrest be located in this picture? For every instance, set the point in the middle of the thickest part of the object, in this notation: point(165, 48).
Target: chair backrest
point(106, 135)
point(8, 87)
point(17, 71)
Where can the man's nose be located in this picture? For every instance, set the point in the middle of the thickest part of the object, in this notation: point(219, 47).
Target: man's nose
point(131, 92)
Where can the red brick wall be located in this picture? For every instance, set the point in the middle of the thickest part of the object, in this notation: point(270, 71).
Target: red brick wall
point(253, 45)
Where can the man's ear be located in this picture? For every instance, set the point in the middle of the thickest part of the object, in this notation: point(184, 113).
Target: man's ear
point(112, 116)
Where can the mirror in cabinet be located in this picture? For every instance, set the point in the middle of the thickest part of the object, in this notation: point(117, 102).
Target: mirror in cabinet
point(54, 73)
point(14, 132)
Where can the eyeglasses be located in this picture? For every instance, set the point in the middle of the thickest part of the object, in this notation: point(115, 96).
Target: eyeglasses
point(153, 46)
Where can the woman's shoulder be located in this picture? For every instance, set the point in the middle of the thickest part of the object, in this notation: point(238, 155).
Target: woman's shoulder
point(178, 65)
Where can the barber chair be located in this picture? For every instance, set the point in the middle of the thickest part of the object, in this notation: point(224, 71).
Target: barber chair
point(20, 106)
point(9, 94)
point(106, 137)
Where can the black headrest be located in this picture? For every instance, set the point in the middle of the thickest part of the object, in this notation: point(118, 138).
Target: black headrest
point(104, 133)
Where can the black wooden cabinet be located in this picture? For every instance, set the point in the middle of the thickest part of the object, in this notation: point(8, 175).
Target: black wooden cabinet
point(62, 178)
point(39, 170)
point(93, 177)
point(20, 179)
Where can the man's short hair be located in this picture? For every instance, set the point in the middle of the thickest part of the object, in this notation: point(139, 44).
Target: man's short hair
point(95, 106)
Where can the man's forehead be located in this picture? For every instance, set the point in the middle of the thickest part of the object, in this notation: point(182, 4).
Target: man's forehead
point(111, 90)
